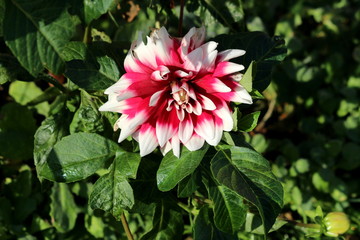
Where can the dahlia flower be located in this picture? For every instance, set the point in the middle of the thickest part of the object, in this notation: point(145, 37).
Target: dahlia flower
point(176, 91)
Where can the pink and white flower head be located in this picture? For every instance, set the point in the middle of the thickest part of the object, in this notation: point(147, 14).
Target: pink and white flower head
point(176, 91)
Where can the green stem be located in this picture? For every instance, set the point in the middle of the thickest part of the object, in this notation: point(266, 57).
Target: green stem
point(87, 34)
point(303, 225)
point(182, 3)
point(126, 227)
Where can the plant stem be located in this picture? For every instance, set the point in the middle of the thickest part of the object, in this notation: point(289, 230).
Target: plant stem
point(182, 4)
point(87, 34)
point(126, 227)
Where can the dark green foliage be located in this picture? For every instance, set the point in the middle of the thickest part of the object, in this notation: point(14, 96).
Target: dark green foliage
point(56, 59)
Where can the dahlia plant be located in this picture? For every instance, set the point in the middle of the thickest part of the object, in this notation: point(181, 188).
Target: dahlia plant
point(183, 105)
point(176, 91)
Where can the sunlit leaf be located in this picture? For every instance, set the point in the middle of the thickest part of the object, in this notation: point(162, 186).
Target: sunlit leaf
point(248, 174)
point(172, 169)
point(77, 156)
point(36, 32)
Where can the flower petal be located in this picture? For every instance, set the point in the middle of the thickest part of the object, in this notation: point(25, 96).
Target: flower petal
point(186, 129)
point(226, 68)
point(195, 142)
point(147, 139)
point(204, 126)
point(229, 54)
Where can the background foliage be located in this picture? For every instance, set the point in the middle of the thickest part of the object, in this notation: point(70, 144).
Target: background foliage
point(309, 121)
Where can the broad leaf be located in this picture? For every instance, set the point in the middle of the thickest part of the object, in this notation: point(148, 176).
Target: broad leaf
point(172, 169)
point(94, 69)
point(87, 118)
point(229, 209)
point(94, 9)
point(167, 223)
point(189, 185)
point(25, 92)
point(11, 70)
point(36, 32)
point(52, 129)
point(248, 174)
point(228, 13)
point(63, 209)
point(112, 192)
point(77, 156)
point(204, 228)
point(259, 47)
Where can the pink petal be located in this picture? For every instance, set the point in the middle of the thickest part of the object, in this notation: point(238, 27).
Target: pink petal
point(147, 139)
point(226, 68)
point(113, 105)
point(155, 98)
point(175, 144)
point(193, 39)
point(218, 132)
point(145, 55)
point(166, 127)
point(186, 129)
point(211, 84)
point(206, 103)
point(204, 126)
point(229, 54)
point(195, 142)
point(193, 61)
point(224, 113)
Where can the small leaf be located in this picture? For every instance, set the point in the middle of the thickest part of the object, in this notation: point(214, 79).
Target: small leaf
point(249, 76)
point(204, 228)
point(248, 174)
point(112, 192)
point(248, 122)
point(36, 32)
point(167, 223)
point(63, 209)
point(172, 169)
point(77, 156)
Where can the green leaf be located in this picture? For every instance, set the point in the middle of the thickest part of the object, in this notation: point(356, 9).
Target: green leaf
point(229, 13)
point(95, 226)
point(94, 71)
point(63, 209)
point(36, 32)
point(204, 228)
point(112, 192)
point(94, 9)
point(87, 118)
point(17, 128)
point(247, 80)
point(259, 47)
point(52, 129)
point(188, 185)
point(248, 122)
point(25, 92)
point(172, 169)
point(77, 156)
point(254, 224)
point(167, 223)
point(248, 174)
point(229, 209)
